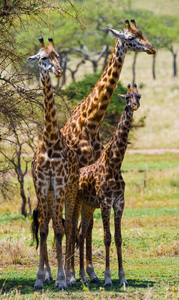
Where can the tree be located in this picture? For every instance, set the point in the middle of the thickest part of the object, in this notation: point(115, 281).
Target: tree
point(21, 105)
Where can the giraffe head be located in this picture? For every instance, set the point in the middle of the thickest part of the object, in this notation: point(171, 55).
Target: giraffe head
point(132, 98)
point(47, 58)
point(133, 39)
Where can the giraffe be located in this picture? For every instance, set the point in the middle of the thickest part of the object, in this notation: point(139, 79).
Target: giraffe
point(101, 186)
point(55, 172)
point(82, 129)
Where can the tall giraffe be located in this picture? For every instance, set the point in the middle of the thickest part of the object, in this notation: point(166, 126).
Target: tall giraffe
point(101, 186)
point(55, 171)
point(82, 129)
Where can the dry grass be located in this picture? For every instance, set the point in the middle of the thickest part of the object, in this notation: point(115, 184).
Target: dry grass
point(15, 252)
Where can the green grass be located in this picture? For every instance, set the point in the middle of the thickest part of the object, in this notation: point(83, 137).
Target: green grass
point(141, 162)
point(150, 241)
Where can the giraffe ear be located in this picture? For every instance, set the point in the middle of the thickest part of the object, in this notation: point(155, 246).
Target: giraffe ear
point(116, 33)
point(33, 58)
point(122, 97)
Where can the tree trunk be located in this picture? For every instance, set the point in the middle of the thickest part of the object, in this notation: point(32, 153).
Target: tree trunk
point(153, 66)
point(174, 64)
point(28, 200)
point(133, 68)
point(64, 72)
point(107, 52)
point(95, 65)
point(174, 61)
point(24, 200)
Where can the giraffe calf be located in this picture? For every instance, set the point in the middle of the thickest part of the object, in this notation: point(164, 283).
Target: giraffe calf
point(101, 186)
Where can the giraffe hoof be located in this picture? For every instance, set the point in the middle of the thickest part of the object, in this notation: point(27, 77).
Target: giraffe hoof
point(62, 288)
point(61, 284)
point(124, 282)
point(85, 281)
point(73, 282)
point(95, 280)
point(49, 278)
point(108, 285)
point(38, 288)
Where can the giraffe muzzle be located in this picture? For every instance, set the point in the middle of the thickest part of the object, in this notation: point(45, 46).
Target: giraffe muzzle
point(59, 73)
point(135, 106)
point(151, 51)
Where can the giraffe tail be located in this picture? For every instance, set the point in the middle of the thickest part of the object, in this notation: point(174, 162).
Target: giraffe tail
point(35, 227)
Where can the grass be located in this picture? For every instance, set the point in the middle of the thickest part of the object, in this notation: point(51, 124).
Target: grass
point(150, 240)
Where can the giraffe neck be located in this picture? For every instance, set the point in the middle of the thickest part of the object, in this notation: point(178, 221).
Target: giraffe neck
point(118, 145)
point(100, 97)
point(50, 132)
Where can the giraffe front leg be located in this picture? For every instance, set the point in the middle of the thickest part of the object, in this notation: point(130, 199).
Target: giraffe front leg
point(44, 220)
point(89, 265)
point(41, 273)
point(58, 231)
point(48, 274)
point(118, 210)
point(105, 211)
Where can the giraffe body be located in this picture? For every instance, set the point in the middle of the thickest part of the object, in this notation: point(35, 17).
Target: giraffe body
point(82, 129)
point(55, 171)
point(101, 186)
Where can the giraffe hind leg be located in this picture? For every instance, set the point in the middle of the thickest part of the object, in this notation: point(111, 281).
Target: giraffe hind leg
point(70, 240)
point(74, 239)
point(48, 274)
point(89, 265)
point(118, 238)
point(86, 216)
point(105, 212)
point(58, 231)
point(43, 246)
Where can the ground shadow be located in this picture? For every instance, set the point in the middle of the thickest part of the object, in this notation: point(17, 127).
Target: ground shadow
point(26, 286)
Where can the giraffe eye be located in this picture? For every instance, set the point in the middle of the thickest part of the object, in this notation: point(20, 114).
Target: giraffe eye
point(131, 38)
point(44, 58)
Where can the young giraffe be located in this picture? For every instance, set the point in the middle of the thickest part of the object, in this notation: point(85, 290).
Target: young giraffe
point(102, 186)
point(55, 171)
point(82, 129)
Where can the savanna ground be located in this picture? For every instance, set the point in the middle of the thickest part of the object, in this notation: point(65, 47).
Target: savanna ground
point(150, 221)
point(150, 240)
